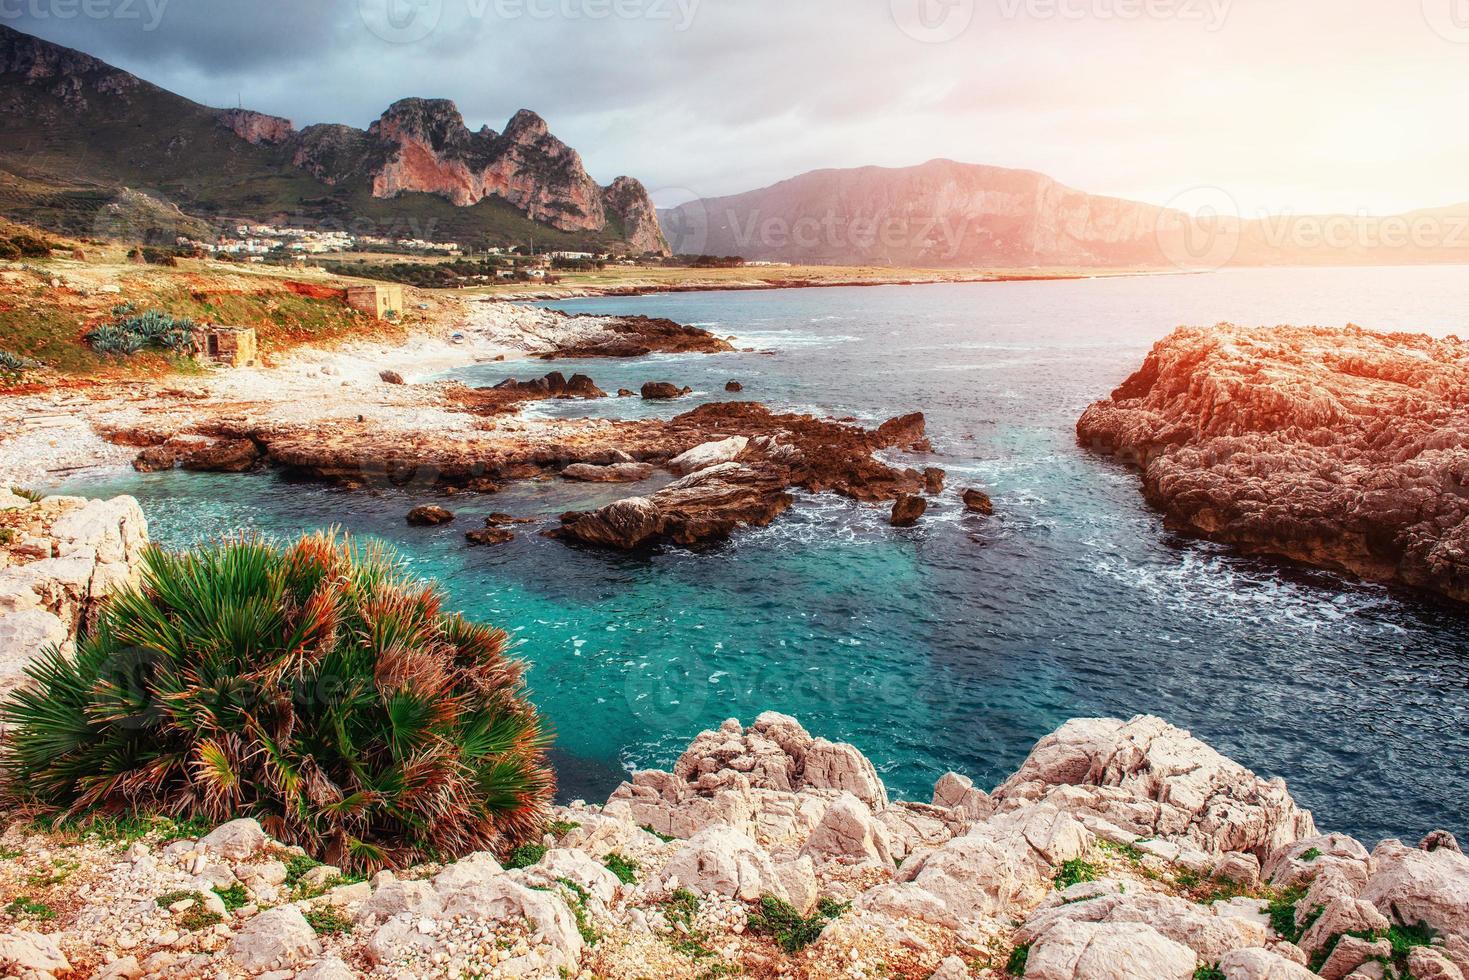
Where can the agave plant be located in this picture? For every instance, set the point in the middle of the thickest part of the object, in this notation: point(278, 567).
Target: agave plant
point(314, 687)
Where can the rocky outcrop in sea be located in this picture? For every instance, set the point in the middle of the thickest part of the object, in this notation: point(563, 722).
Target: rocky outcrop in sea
point(1119, 850)
point(1343, 449)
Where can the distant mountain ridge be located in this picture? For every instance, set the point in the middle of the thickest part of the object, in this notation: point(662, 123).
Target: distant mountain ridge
point(75, 131)
point(956, 215)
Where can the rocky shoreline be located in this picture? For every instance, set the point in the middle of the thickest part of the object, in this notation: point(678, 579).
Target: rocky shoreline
point(1118, 850)
point(1341, 449)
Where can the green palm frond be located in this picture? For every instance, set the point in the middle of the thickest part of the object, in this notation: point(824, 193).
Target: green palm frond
point(315, 687)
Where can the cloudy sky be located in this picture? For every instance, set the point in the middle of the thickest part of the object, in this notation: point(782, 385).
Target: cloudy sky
point(1284, 105)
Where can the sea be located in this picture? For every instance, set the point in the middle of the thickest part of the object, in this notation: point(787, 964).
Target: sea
point(956, 644)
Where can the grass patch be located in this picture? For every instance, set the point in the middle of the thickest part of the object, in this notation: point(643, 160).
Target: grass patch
point(1311, 854)
point(1074, 872)
point(791, 930)
point(560, 828)
point(197, 916)
point(577, 900)
point(1015, 965)
point(524, 856)
point(126, 828)
point(1402, 939)
point(329, 920)
point(626, 869)
point(1128, 851)
point(665, 838)
point(234, 897)
point(682, 910)
point(1282, 913)
point(26, 907)
point(61, 869)
point(296, 867)
point(1209, 973)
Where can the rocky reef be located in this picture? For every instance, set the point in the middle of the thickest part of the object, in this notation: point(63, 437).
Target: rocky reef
point(59, 558)
point(1119, 850)
point(1343, 449)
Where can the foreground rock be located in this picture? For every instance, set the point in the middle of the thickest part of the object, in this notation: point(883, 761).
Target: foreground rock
point(59, 559)
point(1120, 850)
point(1343, 449)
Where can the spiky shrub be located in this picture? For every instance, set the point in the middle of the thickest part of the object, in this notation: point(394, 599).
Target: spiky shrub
point(314, 687)
point(131, 332)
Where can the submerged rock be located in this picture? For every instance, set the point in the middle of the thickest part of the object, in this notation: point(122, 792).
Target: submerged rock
point(655, 390)
point(429, 515)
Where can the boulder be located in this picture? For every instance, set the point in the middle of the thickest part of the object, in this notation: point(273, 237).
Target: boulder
point(237, 840)
point(391, 377)
point(1261, 964)
point(1351, 952)
point(476, 868)
point(720, 860)
point(278, 938)
point(848, 834)
point(331, 968)
point(733, 386)
point(23, 951)
point(903, 432)
point(977, 502)
point(1005, 861)
point(661, 390)
point(488, 536)
point(952, 968)
point(933, 481)
point(1340, 913)
point(1158, 781)
point(616, 473)
point(1109, 951)
point(907, 509)
point(393, 896)
point(221, 456)
point(1187, 923)
point(1427, 963)
point(1300, 862)
point(625, 393)
point(708, 454)
point(1411, 885)
point(959, 795)
point(429, 515)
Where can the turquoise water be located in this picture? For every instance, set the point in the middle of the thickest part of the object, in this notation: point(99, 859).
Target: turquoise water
point(957, 644)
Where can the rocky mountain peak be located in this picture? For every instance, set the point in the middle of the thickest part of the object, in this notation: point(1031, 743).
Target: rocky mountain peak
point(64, 72)
point(527, 127)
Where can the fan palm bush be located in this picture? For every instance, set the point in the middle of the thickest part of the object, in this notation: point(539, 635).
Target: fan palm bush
point(314, 687)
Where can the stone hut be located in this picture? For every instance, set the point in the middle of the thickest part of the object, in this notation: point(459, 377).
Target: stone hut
point(378, 301)
point(226, 346)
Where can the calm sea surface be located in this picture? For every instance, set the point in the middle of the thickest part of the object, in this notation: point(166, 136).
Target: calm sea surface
point(957, 644)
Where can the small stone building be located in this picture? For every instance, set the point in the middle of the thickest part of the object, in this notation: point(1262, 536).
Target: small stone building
point(378, 301)
point(226, 346)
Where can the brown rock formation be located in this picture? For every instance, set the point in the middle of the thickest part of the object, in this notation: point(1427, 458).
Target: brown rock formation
point(750, 490)
point(1343, 449)
point(429, 515)
point(978, 502)
point(662, 390)
point(554, 385)
point(638, 336)
point(907, 509)
point(627, 201)
point(256, 127)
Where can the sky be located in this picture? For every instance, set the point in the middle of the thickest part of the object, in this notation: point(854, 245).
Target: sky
point(1275, 106)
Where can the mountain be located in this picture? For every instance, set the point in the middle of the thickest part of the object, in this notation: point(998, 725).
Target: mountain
point(82, 141)
point(945, 214)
